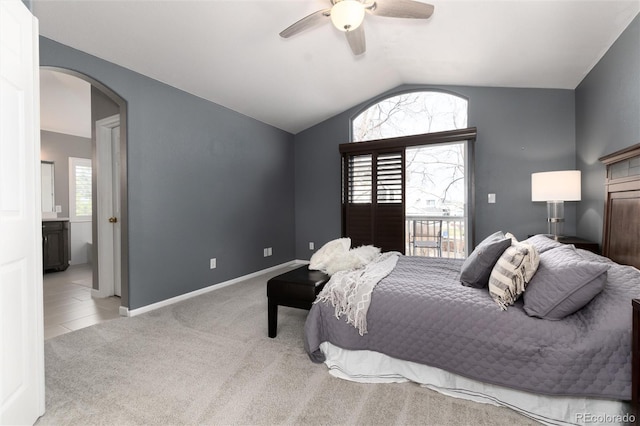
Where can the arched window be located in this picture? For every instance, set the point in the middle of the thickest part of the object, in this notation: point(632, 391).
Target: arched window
point(426, 186)
point(410, 114)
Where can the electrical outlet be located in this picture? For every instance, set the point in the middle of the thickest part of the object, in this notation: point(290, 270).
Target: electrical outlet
point(270, 251)
point(212, 263)
point(312, 246)
point(265, 252)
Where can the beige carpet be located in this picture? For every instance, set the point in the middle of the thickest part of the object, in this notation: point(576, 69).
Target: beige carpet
point(208, 360)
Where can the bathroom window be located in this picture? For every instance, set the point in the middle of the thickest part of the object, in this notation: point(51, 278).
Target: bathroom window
point(79, 189)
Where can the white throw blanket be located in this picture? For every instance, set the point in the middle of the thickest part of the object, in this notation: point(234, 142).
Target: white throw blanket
point(350, 291)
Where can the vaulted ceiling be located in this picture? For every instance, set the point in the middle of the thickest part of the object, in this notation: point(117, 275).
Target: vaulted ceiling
point(229, 52)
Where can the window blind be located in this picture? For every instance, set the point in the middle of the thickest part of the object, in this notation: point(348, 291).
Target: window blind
point(373, 199)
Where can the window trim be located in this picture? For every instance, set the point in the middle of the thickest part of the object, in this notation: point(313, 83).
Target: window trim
point(468, 134)
point(73, 163)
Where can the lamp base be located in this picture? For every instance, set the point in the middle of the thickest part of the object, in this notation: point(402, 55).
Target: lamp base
point(555, 218)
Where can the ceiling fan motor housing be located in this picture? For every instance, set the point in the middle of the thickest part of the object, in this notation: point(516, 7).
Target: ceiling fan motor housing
point(347, 15)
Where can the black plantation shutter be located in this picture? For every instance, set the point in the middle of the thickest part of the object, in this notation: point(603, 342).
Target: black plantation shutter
point(373, 199)
point(358, 199)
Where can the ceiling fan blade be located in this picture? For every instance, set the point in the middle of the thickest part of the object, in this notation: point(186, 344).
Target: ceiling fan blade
point(401, 9)
point(306, 23)
point(356, 40)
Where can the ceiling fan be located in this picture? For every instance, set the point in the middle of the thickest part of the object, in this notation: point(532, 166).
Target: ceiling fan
point(347, 16)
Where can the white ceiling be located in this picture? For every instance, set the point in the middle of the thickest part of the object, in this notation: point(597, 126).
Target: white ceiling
point(229, 52)
point(65, 104)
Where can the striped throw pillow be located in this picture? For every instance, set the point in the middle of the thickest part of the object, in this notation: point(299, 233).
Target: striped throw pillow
point(512, 272)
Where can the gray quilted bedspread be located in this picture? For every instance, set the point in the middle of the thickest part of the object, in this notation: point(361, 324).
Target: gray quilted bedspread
point(421, 313)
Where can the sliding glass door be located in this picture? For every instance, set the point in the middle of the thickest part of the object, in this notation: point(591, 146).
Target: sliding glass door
point(436, 208)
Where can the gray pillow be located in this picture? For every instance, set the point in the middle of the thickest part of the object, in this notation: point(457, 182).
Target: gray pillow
point(543, 242)
point(476, 269)
point(564, 283)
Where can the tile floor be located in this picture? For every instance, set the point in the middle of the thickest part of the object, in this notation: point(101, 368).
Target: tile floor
point(68, 305)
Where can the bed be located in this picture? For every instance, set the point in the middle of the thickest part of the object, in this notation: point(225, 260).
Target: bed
point(423, 325)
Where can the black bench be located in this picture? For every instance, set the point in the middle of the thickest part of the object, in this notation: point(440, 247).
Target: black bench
point(297, 289)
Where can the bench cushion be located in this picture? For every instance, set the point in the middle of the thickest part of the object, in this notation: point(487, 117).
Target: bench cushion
point(300, 284)
point(297, 289)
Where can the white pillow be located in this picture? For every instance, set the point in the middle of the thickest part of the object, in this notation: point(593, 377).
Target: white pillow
point(514, 240)
point(345, 262)
point(366, 253)
point(322, 257)
point(354, 259)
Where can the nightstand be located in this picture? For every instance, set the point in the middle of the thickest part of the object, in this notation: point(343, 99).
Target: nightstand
point(580, 243)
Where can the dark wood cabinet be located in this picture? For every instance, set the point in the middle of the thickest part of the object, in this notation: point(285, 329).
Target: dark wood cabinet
point(577, 243)
point(580, 243)
point(55, 245)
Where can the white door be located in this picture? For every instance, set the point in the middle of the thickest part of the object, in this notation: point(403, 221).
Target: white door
point(21, 327)
point(108, 213)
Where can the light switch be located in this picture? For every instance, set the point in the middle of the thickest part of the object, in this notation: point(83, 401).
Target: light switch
point(492, 198)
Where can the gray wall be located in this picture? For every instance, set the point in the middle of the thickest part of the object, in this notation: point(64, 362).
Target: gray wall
point(101, 107)
point(520, 131)
point(58, 147)
point(607, 120)
point(204, 181)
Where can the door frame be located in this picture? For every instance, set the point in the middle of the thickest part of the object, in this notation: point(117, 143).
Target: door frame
point(124, 210)
point(108, 244)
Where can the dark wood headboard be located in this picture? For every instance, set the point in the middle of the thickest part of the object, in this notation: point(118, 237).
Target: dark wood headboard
point(621, 239)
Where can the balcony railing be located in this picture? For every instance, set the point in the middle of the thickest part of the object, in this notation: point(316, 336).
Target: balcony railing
point(435, 236)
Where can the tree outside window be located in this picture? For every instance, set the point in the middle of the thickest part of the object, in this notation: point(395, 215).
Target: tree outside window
point(436, 182)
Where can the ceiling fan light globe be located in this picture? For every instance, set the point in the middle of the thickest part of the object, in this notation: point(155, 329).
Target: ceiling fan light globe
point(347, 15)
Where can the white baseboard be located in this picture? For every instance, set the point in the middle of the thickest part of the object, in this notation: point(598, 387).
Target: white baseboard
point(126, 312)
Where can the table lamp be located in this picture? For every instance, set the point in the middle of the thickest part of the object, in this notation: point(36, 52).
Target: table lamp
point(555, 188)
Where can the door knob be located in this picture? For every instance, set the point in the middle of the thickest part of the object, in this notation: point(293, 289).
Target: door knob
point(113, 219)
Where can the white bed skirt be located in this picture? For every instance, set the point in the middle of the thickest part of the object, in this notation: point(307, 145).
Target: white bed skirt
point(374, 367)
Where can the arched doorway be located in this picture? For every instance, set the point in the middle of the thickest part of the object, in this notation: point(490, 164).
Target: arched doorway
point(109, 249)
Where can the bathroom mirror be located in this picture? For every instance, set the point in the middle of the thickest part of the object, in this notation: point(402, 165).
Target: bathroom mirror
point(48, 192)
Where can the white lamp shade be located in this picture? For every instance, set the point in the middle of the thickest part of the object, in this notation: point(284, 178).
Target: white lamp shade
point(556, 186)
point(347, 15)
